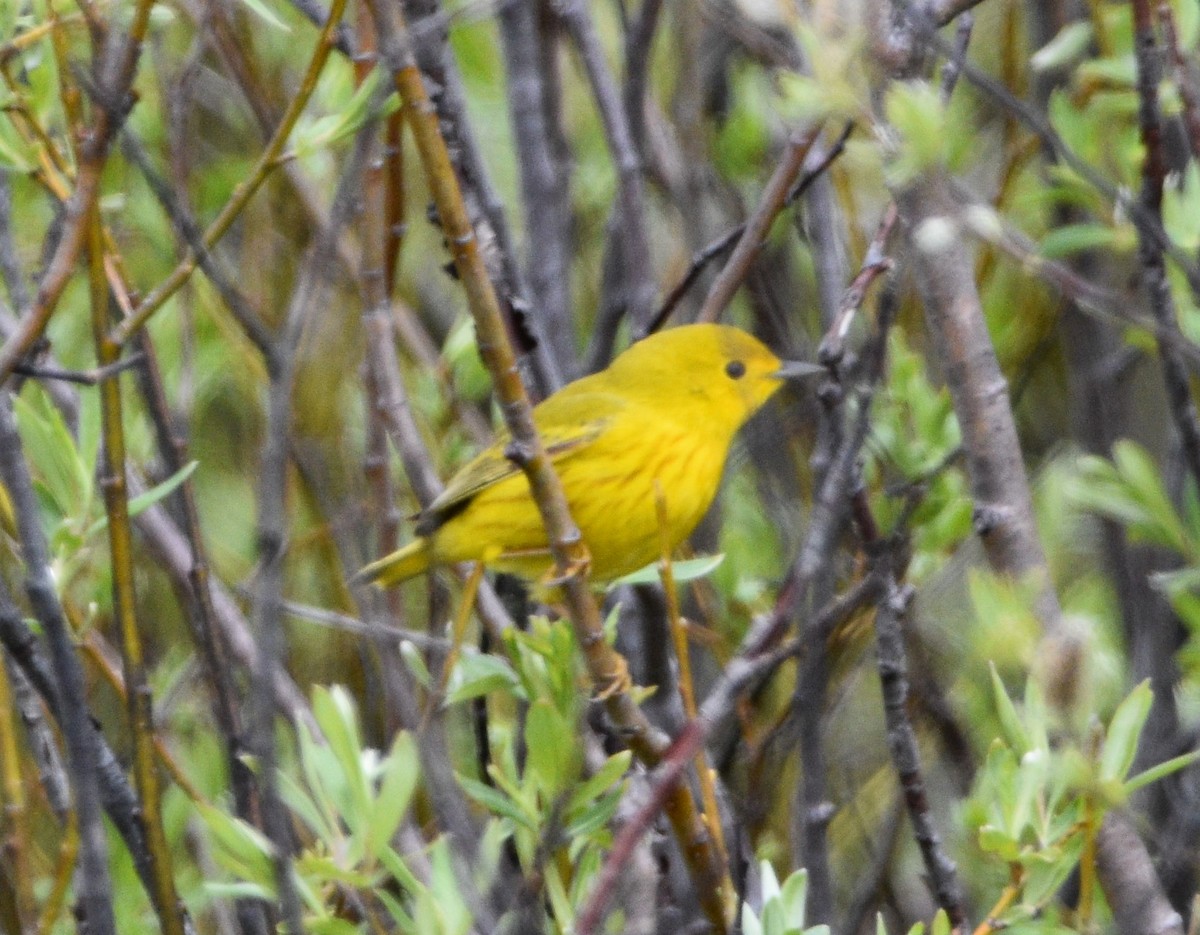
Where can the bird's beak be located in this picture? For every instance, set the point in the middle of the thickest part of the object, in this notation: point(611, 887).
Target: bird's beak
point(795, 369)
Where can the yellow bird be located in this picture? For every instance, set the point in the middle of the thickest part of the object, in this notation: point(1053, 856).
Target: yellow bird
point(664, 413)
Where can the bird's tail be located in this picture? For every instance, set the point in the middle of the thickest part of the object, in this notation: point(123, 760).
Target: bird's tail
point(398, 566)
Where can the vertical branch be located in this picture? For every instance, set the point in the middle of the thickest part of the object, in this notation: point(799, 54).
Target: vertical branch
point(774, 197)
point(545, 184)
point(902, 742)
point(272, 541)
point(1150, 252)
point(14, 847)
point(196, 595)
point(637, 285)
point(486, 208)
point(94, 885)
point(1003, 504)
point(120, 541)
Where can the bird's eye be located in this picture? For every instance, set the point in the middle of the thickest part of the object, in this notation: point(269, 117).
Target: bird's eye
point(735, 369)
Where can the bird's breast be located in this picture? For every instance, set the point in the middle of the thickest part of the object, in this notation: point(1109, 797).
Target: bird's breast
point(614, 499)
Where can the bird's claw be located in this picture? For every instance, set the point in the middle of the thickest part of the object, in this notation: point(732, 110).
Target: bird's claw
point(616, 682)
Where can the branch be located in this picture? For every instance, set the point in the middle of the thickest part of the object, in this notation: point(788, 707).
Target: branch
point(84, 758)
point(774, 198)
point(1150, 252)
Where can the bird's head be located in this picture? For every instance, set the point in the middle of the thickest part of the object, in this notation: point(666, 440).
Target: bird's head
point(704, 373)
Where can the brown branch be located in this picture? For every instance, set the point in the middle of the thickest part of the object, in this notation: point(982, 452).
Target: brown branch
point(1185, 79)
point(120, 542)
point(636, 284)
point(707, 254)
point(1150, 252)
point(774, 198)
point(95, 893)
point(1003, 515)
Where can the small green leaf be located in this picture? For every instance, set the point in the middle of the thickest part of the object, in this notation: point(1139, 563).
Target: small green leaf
point(794, 895)
point(552, 749)
point(400, 770)
point(1069, 239)
point(260, 9)
point(144, 501)
point(478, 674)
point(338, 719)
point(611, 772)
point(682, 571)
point(1154, 773)
point(416, 663)
point(497, 802)
point(1066, 48)
point(333, 128)
point(1010, 722)
point(243, 849)
point(999, 842)
point(1120, 742)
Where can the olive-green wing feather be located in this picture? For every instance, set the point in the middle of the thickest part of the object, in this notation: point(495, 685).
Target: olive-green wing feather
point(567, 422)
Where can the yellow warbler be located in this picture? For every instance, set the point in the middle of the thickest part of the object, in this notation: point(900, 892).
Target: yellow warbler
point(664, 413)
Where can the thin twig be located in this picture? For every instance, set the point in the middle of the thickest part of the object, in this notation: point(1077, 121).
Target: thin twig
point(707, 254)
point(1150, 252)
point(91, 377)
point(120, 541)
point(95, 892)
point(637, 282)
point(773, 200)
point(1185, 79)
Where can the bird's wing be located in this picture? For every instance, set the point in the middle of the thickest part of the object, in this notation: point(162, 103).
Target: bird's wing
point(567, 423)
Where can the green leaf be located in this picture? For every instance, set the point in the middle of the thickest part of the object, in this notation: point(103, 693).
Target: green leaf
point(998, 841)
point(1070, 239)
point(1120, 742)
point(400, 771)
point(682, 571)
point(1066, 48)
point(60, 469)
point(144, 501)
point(478, 674)
point(1010, 722)
point(553, 752)
point(611, 772)
point(333, 128)
point(750, 923)
point(794, 895)
point(1154, 773)
point(337, 717)
point(242, 848)
point(497, 802)
point(260, 9)
point(415, 662)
